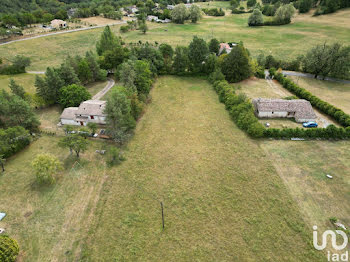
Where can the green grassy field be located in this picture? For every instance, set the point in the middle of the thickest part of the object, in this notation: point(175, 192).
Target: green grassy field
point(283, 41)
point(335, 93)
point(303, 166)
point(50, 222)
point(25, 80)
point(223, 199)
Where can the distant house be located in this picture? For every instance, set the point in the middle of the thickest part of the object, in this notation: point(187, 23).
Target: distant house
point(58, 24)
point(88, 111)
point(226, 47)
point(131, 9)
point(152, 18)
point(170, 7)
point(299, 109)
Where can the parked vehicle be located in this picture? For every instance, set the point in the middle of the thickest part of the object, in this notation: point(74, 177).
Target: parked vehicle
point(310, 124)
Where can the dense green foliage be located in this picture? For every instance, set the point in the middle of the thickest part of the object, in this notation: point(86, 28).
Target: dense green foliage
point(13, 140)
point(15, 111)
point(45, 167)
point(74, 70)
point(17, 66)
point(235, 65)
point(214, 11)
point(9, 249)
point(256, 18)
point(73, 95)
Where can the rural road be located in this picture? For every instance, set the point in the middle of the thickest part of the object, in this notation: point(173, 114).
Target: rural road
point(62, 32)
point(100, 94)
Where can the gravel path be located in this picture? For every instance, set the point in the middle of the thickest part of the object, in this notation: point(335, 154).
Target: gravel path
point(100, 94)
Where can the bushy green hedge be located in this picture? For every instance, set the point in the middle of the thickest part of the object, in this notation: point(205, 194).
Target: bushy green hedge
point(9, 249)
point(339, 115)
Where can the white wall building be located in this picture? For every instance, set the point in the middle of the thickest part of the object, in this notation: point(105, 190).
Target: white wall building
point(299, 109)
point(88, 111)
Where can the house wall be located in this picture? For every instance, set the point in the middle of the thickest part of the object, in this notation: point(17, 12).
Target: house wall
point(272, 115)
point(97, 119)
point(69, 122)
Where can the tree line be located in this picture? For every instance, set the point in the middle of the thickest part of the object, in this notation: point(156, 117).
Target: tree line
point(324, 60)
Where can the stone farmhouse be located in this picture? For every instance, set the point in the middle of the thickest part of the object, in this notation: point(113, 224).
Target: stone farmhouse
point(58, 24)
point(299, 109)
point(88, 111)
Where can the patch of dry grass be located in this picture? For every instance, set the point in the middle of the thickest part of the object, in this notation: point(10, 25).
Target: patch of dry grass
point(25, 80)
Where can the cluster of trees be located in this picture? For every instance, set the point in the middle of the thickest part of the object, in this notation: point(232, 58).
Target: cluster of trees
point(16, 66)
point(181, 13)
point(304, 6)
point(339, 115)
point(59, 84)
point(45, 167)
point(214, 11)
point(282, 16)
point(9, 249)
point(322, 60)
point(15, 110)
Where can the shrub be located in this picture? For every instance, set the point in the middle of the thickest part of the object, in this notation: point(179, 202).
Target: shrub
point(9, 249)
point(256, 18)
point(45, 167)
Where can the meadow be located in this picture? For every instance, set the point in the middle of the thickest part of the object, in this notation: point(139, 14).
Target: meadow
point(334, 93)
point(282, 41)
point(223, 199)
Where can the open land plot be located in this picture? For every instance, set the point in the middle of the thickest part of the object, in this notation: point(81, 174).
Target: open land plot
point(98, 20)
point(222, 196)
point(282, 41)
point(255, 88)
point(50, 222)
point(25, 80)
point(303, 165)
point(337, 94)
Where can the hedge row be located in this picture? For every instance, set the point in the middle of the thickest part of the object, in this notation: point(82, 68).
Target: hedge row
point(339, 115)
point(242, 112)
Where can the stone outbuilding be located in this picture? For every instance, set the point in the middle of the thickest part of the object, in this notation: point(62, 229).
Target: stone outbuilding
point(299, 109)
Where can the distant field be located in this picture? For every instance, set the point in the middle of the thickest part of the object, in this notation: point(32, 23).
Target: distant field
point(25, 80)
point(223, 198)
point(284, 41)
point(335, 93)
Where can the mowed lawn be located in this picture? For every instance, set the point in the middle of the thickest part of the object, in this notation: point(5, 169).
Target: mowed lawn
point(223, 198)
point(282, 41)
point(337, 94)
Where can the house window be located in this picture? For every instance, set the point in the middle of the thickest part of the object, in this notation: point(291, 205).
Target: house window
point(272, 112)
point(92, 117)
